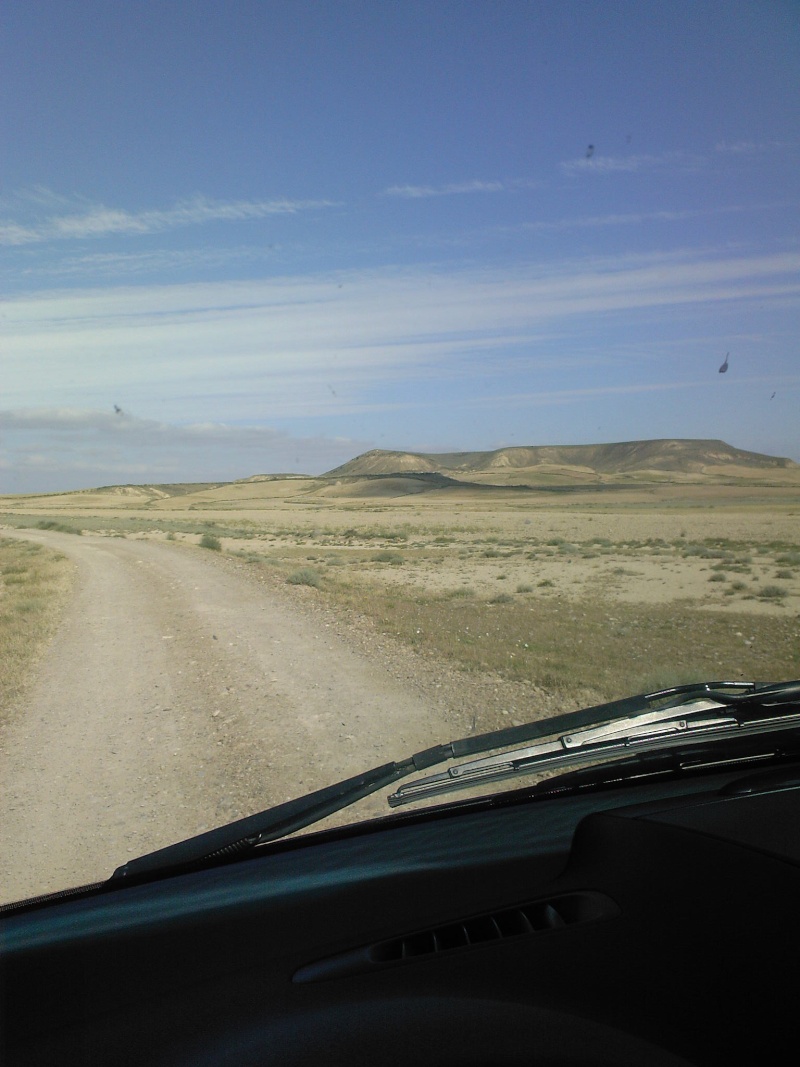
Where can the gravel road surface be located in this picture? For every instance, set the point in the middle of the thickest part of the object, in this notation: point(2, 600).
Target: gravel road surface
point(178, 694)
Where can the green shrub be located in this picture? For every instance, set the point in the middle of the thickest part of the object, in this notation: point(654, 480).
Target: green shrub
point(388, 557)
point(210, 541)
point(61, 527)
point(305, 576)
point(771, 592)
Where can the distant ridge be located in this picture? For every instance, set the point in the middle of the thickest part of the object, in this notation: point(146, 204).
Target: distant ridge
point(647, 466)
point(667, 456)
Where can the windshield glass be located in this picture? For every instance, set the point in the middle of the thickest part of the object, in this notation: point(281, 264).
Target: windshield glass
point(376, 375)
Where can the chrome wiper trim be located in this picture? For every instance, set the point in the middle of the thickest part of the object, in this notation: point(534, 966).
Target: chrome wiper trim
point(645, 730)
point(666, 729)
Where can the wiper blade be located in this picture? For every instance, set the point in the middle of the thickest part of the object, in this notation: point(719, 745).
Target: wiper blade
point(648, 731)
point(238, 838)
point(731, 752)
point(680, 723)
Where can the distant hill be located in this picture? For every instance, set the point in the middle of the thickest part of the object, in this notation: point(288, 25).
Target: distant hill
point(159, 490)
point(667, 459)
point(558, 469)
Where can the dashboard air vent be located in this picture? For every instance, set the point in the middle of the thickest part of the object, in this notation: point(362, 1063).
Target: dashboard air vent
point(525, 919)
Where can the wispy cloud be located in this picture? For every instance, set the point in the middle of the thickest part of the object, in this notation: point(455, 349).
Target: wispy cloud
point(328, 346)
point(158, 261)
point(43, 449)
point(92, 221)
point(625, 219)
point(600, 164)
point(635, 218)
point(548, 397)
point(419, 192)
point(750, 148)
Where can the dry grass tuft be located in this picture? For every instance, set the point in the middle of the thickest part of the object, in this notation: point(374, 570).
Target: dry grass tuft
point(34, 582)
point(304, 576)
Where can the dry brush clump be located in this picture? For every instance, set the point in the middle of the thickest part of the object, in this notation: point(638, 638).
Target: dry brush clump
point(304, 576)
point(209, 540)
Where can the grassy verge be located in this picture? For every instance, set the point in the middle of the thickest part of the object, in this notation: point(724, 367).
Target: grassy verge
point(34, 582)
point(599, 645)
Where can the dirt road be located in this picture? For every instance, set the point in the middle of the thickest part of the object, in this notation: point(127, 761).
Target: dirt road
point(178, 695)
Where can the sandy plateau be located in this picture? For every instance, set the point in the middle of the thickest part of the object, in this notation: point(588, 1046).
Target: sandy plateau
point(317, 634)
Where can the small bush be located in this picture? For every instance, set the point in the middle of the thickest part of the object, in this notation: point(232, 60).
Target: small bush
point(784, 573)
point(210, 541)
point(523, 587)
point(695, 550)
point(386, 556)
point(61, 527)
point(771, 592)
point(305, 576)
point(545, 584)
point(718, 576)
point(501, 598)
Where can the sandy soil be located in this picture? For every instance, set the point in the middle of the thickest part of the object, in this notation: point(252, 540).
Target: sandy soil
point(176, 696)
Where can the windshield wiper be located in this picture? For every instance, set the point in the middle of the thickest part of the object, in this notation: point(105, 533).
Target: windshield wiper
point(698, 722)
point(645, 712)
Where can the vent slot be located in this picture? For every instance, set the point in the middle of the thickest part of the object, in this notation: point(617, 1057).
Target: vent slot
point(526, 919)
point(512, 922)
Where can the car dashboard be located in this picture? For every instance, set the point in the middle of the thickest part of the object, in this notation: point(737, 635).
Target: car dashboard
point(641, 924)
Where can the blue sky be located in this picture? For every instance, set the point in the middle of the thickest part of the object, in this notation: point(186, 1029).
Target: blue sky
point(278, 234)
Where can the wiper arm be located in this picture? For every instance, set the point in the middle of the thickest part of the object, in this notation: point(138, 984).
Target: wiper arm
point(245, 834)
point(677, 724)
point(648, 731)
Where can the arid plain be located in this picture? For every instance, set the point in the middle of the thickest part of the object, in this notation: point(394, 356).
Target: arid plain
point(176, 656)
point(590, 584)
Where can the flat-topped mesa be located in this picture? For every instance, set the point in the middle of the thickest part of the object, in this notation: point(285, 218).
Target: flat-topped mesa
point(681, 456)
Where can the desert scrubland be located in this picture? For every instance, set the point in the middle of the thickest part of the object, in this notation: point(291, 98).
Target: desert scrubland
point(176, 657)
point(587, 595)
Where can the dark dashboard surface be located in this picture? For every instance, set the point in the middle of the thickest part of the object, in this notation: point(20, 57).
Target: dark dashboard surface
point(630, 926)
